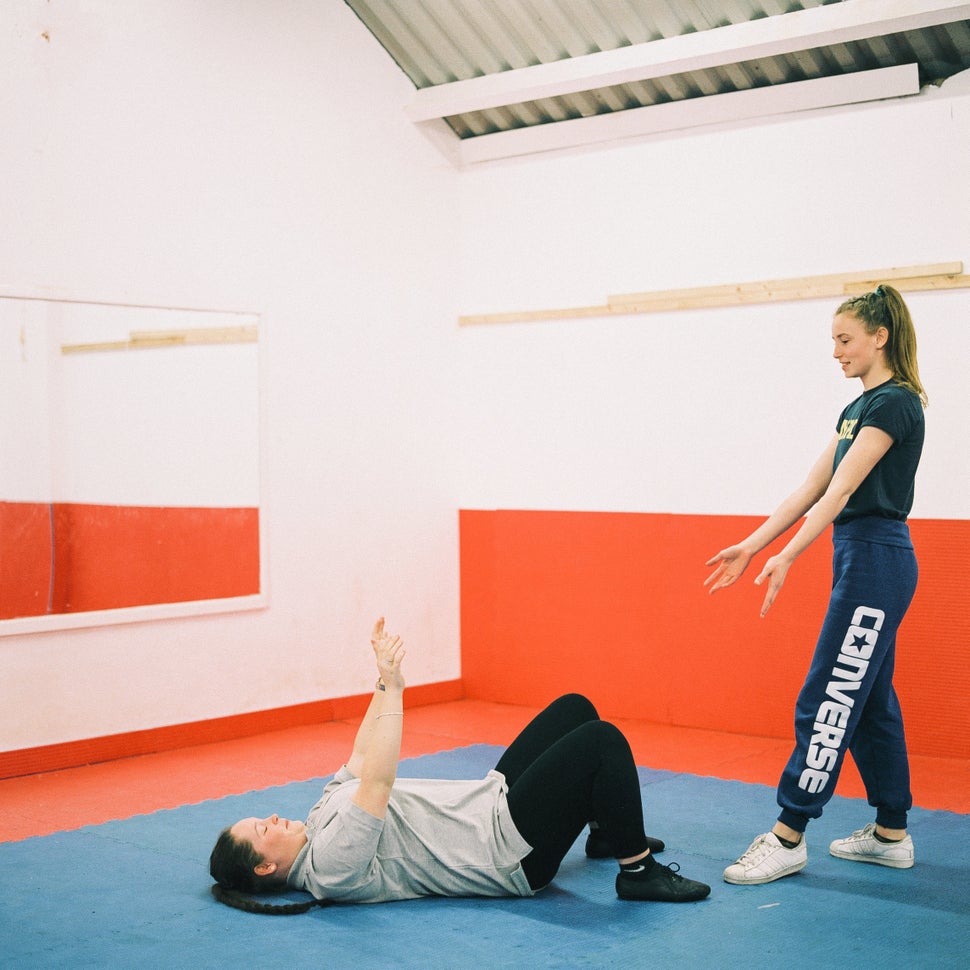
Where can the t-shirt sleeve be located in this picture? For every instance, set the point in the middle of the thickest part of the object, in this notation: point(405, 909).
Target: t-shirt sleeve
point(342, 854)
point(892, 413)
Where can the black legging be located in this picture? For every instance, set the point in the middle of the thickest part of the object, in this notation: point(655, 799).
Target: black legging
point(566, 769)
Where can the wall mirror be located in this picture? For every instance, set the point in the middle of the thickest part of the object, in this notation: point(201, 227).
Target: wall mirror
point(129, 463)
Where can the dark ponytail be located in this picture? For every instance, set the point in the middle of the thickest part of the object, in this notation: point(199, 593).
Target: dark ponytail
point(238, 900)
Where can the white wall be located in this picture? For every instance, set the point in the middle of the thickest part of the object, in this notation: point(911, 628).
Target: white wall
point(170, 426)
point(249, 156)
point(714, 411)
point(24, 403)
point(253, 156)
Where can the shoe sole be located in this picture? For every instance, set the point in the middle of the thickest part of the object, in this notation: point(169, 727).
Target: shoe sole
point(663, 899)
point(694, 897)
point(761, 880)
point(874, 860)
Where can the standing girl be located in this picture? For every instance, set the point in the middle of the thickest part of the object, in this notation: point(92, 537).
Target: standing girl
point(863, 483)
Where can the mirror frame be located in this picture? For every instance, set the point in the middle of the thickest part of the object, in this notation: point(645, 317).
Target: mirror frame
point(52, 622)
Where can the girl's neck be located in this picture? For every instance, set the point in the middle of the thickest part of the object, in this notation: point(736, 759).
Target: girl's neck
point(875, 377)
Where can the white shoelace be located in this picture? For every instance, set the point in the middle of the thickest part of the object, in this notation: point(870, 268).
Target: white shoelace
point(757, 850)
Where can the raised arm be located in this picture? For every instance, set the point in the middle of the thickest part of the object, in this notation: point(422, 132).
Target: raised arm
point(377, 747)
point(367, 724)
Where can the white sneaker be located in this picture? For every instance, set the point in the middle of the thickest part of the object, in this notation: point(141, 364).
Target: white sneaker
point(767, 860)
point(863, 846)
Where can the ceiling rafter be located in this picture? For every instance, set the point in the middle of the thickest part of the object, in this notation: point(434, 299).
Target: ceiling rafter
point(701, 50)
point(881, 83)
point(514, 77)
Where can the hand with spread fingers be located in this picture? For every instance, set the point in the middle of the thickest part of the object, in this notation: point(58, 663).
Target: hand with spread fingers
point(389, 652)
point(731, 563)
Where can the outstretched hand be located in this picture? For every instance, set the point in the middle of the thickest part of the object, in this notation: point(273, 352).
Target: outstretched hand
point(731, 563)
point(389, 652)
point(775, 571)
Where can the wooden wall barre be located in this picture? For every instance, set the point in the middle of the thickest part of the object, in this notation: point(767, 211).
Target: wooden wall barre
point(153, 339)
point(936, 276)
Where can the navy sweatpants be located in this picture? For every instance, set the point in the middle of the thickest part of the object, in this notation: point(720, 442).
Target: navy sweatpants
point(848, 701)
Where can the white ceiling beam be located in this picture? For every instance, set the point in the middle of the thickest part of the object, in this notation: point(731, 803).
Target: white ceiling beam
point(836, 23)
point(716, 109)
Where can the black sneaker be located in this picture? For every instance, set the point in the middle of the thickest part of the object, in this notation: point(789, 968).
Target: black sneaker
point(660, 884)
point(598, 846)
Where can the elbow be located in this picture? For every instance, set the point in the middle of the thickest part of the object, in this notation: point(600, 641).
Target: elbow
point(841, 497)
point(379, 785)
point(835, 503)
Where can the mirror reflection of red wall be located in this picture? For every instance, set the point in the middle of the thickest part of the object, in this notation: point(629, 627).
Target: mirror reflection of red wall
point(108, 557)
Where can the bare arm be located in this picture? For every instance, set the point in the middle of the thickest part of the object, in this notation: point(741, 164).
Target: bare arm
point(869, 446)
point(364, 733)
point(732, 561)
point(366, 729)
point(377, 747)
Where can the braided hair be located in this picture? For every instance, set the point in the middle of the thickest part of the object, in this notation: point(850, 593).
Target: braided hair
point(231, 864)
point(246, 903)
point(885, 307)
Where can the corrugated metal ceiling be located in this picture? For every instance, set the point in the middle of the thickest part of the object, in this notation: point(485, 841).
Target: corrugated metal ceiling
point(442, 42)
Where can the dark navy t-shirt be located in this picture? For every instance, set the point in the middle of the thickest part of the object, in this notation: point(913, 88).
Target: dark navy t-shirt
point(887, 490)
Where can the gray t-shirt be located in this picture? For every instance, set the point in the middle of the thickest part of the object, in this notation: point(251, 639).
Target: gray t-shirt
point(438, 838)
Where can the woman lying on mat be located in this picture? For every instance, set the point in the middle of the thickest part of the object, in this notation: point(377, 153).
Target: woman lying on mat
point(375, 838)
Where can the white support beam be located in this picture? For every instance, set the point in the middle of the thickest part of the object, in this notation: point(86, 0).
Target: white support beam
point(887, 82)
point(836, 23)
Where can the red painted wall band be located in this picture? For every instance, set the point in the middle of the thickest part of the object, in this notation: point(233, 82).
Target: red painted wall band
point(613, 605)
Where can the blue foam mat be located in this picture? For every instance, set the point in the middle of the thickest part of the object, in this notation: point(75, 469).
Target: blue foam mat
point(135, 893)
